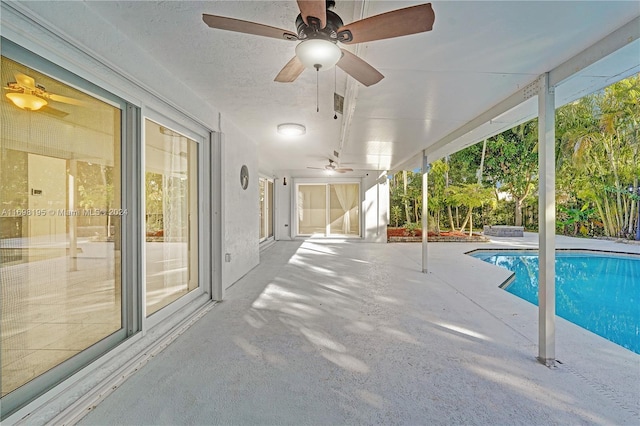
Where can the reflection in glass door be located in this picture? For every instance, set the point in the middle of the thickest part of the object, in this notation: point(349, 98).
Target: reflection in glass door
point(171, 216)
point(60, 221)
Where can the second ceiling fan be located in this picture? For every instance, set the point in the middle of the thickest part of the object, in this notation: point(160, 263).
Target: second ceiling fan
point(319, 29)
point(331, 167)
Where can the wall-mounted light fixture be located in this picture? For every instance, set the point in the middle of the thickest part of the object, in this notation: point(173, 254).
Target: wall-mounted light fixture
point(27, 101)
point(284, 181)
point(291, 129)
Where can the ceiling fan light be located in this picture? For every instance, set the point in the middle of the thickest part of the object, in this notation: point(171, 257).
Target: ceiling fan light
point(291, 129)
point(27, 101)
point(318, 52)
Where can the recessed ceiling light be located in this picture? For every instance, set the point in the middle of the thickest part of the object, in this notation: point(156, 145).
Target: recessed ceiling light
point(291, 129)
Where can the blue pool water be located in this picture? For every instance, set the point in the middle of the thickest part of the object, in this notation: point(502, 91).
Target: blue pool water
point(599, 292)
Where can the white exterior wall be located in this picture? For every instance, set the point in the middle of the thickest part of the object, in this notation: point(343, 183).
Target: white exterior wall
point(282, 205)
point(375, 207)
point(241, 227)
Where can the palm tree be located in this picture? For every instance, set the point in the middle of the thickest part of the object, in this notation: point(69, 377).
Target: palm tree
point(599, 134)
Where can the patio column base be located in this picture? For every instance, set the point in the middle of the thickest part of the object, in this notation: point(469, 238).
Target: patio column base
point(549, 362)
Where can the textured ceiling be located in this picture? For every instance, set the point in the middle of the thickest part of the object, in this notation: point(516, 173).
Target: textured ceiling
point(477, 55)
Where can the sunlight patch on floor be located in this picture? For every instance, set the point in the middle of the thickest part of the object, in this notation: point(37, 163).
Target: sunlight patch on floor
point(347, 362)
point(319, 338)
point(526, 387)
point(464, 331)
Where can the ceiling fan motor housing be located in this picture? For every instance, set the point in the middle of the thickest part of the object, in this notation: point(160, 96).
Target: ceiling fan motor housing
point(313, 30)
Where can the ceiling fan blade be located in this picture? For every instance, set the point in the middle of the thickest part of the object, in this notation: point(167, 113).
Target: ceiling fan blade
point(65, 99)
point(53, 111)
point(314, 8)
point(25, 81)
point(359, 69)
point(291, 71)
point(317, 168)
point(343, 170)
point(237, 25)
point(401, 22)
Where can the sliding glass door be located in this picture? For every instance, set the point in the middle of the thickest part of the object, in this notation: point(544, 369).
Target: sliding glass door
point(344, 211)
point(171, 216)
point(328, 209)
point(99, 226)
point(60, 229)
point(266, 208)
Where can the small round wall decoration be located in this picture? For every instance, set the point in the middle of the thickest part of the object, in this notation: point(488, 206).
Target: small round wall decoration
point(244, 177)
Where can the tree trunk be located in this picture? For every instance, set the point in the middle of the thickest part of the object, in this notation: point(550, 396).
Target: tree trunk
point(470, 223)
point(632, 202)
point(607, 219)
point(406, 201)
point(446, 185)
point(466, 219)
point(614, 169)
point(518, 211)
point(480, 170)
point(601, 213)
point(450, 214)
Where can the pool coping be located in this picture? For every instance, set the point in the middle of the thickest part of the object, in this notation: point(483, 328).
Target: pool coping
point(598, 362)
point(579, 250)
point(595, 253)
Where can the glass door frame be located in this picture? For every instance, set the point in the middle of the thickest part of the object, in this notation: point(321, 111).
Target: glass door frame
point(130, 319)
point(327, 183)
point(203, 292)
point(268, 210)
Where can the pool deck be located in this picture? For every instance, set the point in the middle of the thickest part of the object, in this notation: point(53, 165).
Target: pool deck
point(332, 332)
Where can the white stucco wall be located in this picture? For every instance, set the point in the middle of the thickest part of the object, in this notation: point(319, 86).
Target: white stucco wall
point(283, 207)
point(241, 227)
point(375, 207)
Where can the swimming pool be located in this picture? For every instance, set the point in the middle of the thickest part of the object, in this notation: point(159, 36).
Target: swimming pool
point(595, 290)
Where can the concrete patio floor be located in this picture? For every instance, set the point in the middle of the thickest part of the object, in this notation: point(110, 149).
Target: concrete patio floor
point(328, 332)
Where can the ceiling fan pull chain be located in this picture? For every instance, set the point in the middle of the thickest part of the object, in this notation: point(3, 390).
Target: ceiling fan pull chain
point(335, 90)
point(317, 67)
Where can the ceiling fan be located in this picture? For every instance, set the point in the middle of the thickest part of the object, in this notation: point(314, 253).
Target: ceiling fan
point(319, 30)
point(26, 94)
point(331, 167)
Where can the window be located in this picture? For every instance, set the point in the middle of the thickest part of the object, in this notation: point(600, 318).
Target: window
point(328, 209)
point(60, 227)
point(171, 216)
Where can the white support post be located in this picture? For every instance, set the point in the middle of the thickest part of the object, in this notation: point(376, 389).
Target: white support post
point(425, 210)
point(547, 223)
